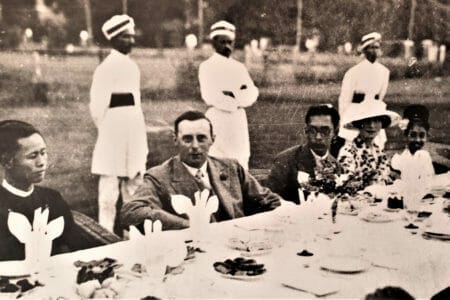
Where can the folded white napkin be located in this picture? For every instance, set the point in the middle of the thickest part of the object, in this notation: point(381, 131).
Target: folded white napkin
point(200, 213)
point(38, 238)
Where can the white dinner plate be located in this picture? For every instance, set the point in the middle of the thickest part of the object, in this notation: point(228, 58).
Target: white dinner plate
point(242, 277)
point(13, 268)
point(346, 265)
point(376, 217)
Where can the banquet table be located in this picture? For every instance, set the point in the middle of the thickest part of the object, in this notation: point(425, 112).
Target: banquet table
point(396, 257)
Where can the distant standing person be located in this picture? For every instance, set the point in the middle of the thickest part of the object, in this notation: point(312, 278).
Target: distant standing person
point(121, 149)
point(227, 89)
point(367, 80)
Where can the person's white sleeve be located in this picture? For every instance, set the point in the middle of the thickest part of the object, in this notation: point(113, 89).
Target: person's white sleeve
point(384, 86)
point(346, 95)
point(100, 95)
point(395, 162)
point(247, 96)
point(427, 164)
point(212, 93)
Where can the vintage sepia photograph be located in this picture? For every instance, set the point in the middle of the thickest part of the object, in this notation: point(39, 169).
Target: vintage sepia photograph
point(224, 149)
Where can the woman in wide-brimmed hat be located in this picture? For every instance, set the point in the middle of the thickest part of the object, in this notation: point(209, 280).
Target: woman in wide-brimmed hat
point(362, 159)
point(414, 162)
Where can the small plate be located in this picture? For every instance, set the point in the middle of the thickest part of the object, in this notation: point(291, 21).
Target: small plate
point(13, 269)
point(242, 277)
point(392, 209)
point(376, 218)
point(344, 265)
point(436, 236)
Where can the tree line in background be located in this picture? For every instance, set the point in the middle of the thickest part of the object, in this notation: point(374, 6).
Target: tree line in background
point(164, 23)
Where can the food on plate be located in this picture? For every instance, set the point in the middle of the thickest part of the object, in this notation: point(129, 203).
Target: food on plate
point(428, 196)
point(424, 214)
point(395, 201)
point(239, 267)
point(96, 269)
point(305, 253)
point(95, 279)
point(411, 226)
point(191, 250)
point(17, 285)
point(139, 268)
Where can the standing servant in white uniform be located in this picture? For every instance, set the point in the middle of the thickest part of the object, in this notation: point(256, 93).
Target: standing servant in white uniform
point(121, 149)
point(227, 89)
point(367, 80)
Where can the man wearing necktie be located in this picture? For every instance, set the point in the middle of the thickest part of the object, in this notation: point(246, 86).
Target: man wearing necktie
point(238, 192)
point(313, 158)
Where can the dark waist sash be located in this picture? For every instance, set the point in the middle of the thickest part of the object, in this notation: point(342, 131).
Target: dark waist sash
point(121, 99)
point(359, 97)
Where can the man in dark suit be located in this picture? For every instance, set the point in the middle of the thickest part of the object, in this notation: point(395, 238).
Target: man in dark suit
point(192, 170)
point(313, 158)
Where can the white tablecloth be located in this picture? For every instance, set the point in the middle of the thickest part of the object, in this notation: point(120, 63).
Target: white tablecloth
point(402, 259)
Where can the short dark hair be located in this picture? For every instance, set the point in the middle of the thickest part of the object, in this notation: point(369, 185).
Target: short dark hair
point(323, 110)
point(389, 292)
point(10, 132)
point(192, 115)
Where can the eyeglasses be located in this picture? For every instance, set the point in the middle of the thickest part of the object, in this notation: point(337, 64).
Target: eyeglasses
point(313, 130)
point(414, 135)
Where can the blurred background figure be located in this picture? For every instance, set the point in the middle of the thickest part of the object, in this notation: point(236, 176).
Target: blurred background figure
point(367, 80)
point(227, 89)
point(121, 149)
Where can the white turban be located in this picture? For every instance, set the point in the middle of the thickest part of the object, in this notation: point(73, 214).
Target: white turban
point(223, 28)
point(116, 25)
point(369, 39)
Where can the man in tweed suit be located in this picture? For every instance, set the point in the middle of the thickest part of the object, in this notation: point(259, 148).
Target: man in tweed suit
point(192, 170)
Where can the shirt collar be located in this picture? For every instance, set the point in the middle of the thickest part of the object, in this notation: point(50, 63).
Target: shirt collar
point(193, 171)
point(220, 56)
point(318, 157)
point(16, 191)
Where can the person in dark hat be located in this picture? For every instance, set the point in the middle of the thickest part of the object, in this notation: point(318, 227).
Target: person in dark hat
point(414, 162)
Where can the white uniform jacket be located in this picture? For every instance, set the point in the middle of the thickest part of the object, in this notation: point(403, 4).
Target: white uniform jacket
point(115, 106)
point(417, 166)
point(218, 74)
point(363, 81)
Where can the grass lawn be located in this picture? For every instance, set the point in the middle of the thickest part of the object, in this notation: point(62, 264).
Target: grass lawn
point(275, 121)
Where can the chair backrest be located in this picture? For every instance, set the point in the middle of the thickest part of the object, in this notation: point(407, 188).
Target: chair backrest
point(91, 233)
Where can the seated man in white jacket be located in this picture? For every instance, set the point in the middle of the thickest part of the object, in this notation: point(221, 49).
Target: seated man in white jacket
point(227, 88)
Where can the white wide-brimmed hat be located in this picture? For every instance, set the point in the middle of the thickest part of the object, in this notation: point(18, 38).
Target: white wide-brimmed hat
point(116, 25)
point(223, 28)
point(369, 109)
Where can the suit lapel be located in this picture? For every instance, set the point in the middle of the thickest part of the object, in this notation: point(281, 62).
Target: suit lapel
point(305, 160)
point(182, 181)
point(221, 182)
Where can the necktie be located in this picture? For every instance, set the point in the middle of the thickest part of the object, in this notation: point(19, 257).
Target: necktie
point(199, 178)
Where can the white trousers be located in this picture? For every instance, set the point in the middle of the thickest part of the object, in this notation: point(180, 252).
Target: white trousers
point(109, 189)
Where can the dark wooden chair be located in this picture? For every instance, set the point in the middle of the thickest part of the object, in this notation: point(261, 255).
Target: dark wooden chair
point(91, 233)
